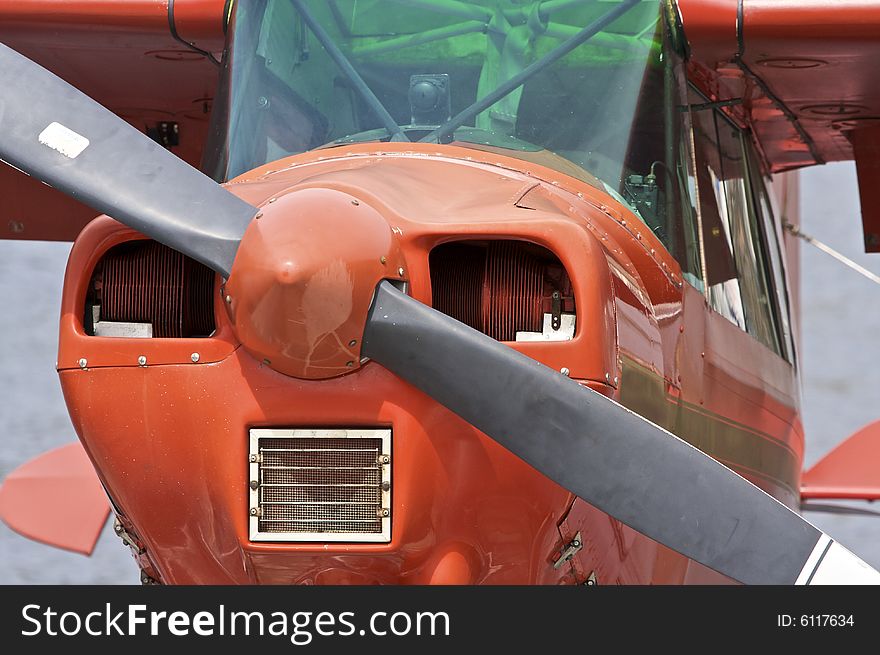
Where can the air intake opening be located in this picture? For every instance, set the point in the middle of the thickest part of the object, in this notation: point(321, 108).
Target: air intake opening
point(145, 289)
point(509, 290)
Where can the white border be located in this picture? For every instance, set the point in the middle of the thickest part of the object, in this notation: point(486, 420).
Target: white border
point(319, 537)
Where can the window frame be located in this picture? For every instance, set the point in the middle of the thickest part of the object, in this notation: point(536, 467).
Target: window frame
point(769, 267)
point(772, 237)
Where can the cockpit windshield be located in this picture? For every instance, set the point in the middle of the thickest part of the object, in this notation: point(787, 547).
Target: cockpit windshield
point(591, 88)
point(580, 78)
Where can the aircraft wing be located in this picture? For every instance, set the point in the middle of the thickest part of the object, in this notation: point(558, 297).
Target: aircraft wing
point(806, 75)
point(139, 58)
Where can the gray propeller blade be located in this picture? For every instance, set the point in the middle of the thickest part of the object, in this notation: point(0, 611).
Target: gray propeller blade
point(611, 457)
point(55, 133)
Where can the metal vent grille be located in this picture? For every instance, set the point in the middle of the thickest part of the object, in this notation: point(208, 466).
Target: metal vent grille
point(320, 485)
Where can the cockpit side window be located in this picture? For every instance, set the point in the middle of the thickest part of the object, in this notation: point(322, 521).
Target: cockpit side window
point(734, 243)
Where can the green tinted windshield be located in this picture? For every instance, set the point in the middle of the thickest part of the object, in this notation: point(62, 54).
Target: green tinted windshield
point(591, 88)
point(586, 80)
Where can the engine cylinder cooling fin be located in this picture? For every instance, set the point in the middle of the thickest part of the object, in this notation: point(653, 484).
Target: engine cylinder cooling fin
point(457, 279)
point(503, 288)
point(512, 291)
point(147, 283)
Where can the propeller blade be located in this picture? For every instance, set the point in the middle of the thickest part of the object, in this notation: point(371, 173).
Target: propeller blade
point(611, 457)
point(56, 499)
point(55, 133)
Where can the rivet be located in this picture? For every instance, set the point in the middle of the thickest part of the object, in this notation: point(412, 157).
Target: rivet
point(83, 362)
point(608, 377)
point(194, 357)
point(386, 485)
point(267, 361)
point(142, 360)
point(400, 271)
point(615, 380)
point(352, 343)
point(255, 484)
point(355, 202)
point(383, 259)
point(349, 364)
point(253, 511)
point(564, 370)
point(258, 216)
point(228, 300)
point(272, 199)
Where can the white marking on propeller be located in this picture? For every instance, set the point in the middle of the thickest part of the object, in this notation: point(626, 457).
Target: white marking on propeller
point(64, 140)
point(813, 560)
point(839, 566)
point(831, 563)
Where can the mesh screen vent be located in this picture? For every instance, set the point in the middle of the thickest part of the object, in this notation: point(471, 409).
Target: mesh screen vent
point(320, 485)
